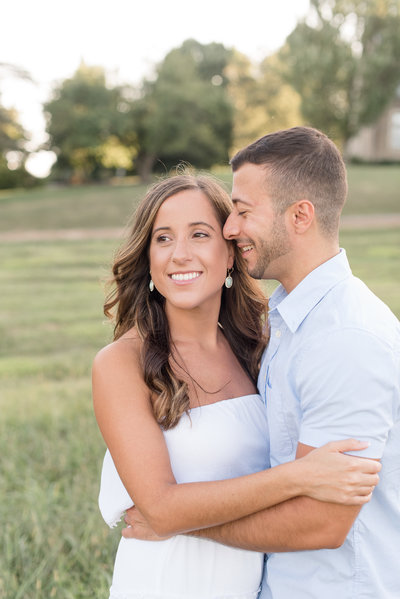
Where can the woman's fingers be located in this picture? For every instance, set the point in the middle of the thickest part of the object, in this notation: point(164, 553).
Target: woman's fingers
point(342, 478)
point(360, 499)
point(347, 445)
point(366, 465)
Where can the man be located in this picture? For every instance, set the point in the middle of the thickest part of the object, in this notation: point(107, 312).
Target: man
point(331, 371)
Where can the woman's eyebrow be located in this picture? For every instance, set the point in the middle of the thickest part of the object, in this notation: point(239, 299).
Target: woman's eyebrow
point(161, 229)
point(200, 222)
point(195, 224)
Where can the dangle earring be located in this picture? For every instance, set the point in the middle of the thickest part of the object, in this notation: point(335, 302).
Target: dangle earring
point(151, 285)
point(229, 280)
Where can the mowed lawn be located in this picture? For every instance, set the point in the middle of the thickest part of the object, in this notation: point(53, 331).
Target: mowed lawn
point(51, 325)
point(372, 189)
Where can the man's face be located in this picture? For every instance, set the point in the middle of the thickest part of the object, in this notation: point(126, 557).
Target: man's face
point(260, 233)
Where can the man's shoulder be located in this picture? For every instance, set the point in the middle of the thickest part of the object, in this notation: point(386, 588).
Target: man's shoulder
point(351, 305)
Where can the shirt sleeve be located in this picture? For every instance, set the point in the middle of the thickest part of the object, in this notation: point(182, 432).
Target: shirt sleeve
point(346, 383)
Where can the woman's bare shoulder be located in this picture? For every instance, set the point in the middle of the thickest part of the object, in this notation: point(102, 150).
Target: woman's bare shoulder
point(117, 374)
point(122, 352)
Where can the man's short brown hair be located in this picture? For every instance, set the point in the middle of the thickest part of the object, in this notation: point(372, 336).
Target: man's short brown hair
point(301, 163)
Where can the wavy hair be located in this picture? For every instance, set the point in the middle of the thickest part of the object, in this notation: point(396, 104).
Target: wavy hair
point(130, 304)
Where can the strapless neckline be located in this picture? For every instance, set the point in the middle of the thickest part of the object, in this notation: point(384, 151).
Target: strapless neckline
point(223, 401)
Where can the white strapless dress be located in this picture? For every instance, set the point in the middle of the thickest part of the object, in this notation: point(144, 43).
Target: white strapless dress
point(221, 440)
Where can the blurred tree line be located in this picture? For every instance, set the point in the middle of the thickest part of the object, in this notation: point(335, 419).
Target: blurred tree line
point(13, 138)
point(337, 71)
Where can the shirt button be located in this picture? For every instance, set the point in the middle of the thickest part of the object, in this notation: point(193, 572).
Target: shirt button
point(278, 333)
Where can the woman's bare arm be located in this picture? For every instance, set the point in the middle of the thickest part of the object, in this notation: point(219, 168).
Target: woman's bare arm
point(124, 414)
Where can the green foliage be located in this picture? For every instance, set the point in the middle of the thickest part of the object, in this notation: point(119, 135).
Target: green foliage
point(344, 62)
point(85, 120)
point(185, 114)
point(18, 177)
point(12, 135)
point(242, 88)
point(12, 138)
point(262, 99)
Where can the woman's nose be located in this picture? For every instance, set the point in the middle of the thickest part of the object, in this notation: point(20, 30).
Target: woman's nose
point(182, 251)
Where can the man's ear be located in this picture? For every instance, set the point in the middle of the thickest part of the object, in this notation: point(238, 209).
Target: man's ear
point(301, 215)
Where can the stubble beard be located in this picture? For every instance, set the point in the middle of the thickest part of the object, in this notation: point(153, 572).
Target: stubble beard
point(270, 250)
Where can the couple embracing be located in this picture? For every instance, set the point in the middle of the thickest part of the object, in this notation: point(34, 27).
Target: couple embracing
point(245, 439)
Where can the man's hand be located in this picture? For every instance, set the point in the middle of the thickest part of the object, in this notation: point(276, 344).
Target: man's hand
point(138, 527)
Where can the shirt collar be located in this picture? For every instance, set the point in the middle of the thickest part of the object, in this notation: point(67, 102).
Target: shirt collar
point(296, 305)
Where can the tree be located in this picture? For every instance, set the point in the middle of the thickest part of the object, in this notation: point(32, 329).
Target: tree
point(85, 122)
point(12, 134)
point(344, 61)
point(12, 137)
point(185, 114)
point(263, 100)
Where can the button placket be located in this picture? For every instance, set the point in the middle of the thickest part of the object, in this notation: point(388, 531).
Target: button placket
point(275, 322)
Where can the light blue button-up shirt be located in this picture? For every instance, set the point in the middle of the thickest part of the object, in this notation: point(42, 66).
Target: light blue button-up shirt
point(332, 371)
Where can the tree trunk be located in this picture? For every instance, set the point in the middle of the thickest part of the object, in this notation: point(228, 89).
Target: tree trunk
point(145, 165)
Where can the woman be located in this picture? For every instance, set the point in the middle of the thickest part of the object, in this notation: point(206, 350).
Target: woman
point(176, 402)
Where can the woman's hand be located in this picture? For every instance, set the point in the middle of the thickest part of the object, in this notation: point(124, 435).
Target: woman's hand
point(138, 527)
point(338, 478)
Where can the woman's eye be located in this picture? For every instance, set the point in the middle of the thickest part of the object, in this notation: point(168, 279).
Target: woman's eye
point(200, 234)
point(162, 238)
point(242, 212)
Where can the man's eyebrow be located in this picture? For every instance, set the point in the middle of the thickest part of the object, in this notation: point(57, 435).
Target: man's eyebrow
point(239, 201)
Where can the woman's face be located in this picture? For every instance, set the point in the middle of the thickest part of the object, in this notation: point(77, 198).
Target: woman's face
point(188, 254)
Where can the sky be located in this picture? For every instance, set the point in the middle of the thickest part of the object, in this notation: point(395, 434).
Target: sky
point(49, 38)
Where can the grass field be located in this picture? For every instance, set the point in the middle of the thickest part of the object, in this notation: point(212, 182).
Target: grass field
point(371, 190)
point(51, 325)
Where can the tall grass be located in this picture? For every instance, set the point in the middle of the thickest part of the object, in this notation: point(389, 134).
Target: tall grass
point(55, 543)
point(51, 325)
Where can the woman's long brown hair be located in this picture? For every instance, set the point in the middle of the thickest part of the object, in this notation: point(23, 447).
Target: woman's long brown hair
point(130, 303)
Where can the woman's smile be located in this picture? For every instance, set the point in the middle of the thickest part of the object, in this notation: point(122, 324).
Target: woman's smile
point(185, 277)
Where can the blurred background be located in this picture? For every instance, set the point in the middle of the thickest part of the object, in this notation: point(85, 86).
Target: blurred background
point(97, 100)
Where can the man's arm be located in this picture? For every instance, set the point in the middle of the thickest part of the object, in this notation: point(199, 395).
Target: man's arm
point(297, 524)
point(333, 406)
point(139, 527)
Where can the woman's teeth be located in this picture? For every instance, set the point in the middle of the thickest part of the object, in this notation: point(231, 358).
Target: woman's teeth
point(187, 276)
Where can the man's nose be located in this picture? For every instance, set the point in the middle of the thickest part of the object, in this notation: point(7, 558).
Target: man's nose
point(231, 228)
